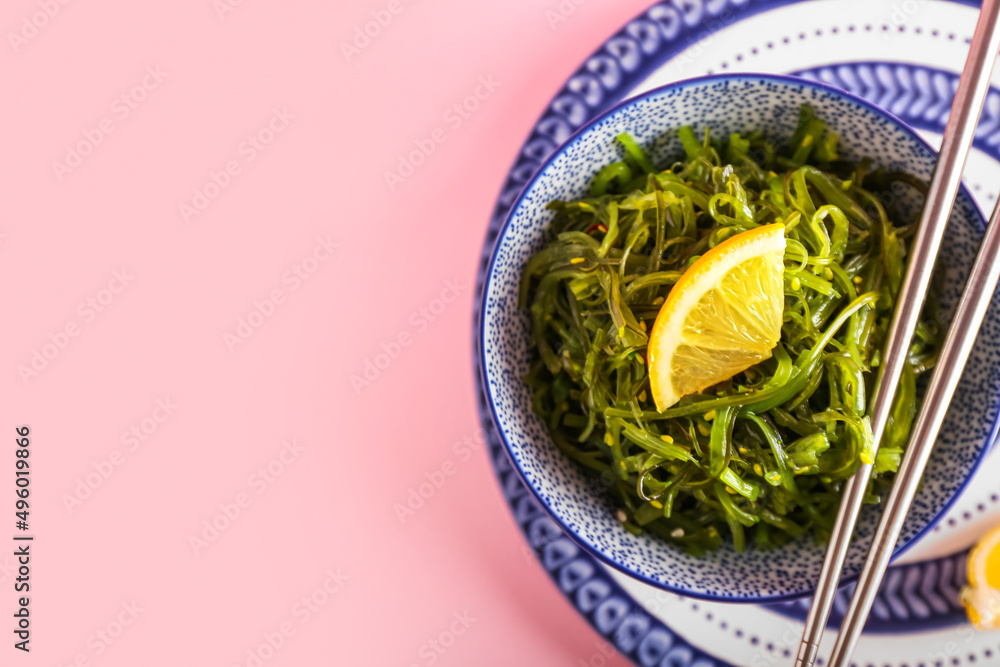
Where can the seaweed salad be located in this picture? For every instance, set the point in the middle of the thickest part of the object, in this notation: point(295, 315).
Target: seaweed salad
point(758, 457)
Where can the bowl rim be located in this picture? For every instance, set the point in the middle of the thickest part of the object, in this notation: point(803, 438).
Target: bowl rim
point(898, 551)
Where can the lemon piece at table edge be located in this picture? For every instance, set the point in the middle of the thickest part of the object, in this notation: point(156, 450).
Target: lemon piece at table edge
point(981, 598)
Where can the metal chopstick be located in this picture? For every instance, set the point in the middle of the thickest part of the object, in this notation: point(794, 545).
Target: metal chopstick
point(979, 290)
point(959, 131)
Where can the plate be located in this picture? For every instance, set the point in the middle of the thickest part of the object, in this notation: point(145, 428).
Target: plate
point(904, 56)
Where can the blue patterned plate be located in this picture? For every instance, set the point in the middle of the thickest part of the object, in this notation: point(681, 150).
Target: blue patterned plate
point(726, 104)
point(903, 56)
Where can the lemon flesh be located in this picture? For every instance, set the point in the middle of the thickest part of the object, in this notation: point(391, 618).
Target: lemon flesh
point(722, 317)
point(981, 597)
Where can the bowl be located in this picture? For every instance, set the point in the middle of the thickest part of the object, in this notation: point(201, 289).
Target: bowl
point(727, 103)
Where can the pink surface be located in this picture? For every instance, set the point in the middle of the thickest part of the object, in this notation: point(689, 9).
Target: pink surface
point(199, 248)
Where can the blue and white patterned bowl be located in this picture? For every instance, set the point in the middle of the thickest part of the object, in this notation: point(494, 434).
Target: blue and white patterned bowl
point(729, 103)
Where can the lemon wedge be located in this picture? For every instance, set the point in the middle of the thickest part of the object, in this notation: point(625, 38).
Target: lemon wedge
point(981, 597)
point(722, 317)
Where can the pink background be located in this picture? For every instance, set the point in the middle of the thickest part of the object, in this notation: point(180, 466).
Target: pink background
point(115, 516)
